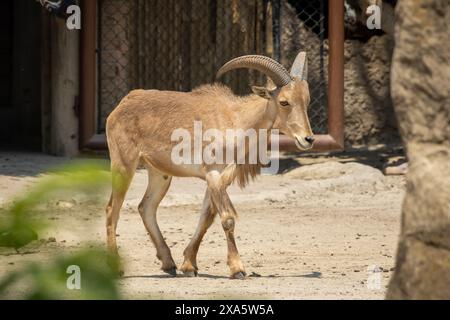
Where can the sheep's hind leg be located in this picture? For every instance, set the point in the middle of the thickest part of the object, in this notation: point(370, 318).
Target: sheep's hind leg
point(121, 179)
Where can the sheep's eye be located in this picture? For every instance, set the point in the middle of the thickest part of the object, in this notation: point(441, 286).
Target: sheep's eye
point(284, 103)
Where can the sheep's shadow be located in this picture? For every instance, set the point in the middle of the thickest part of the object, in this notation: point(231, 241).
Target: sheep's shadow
point(313, 274)
point(375, 158)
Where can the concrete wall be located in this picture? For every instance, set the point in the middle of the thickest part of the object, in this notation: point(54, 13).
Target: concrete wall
point(64, 88)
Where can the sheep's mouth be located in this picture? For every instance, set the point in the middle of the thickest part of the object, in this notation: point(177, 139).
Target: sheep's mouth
point(302, 144)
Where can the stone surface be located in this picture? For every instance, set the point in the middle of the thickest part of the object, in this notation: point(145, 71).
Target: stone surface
point(369, 114)
point(420, 90)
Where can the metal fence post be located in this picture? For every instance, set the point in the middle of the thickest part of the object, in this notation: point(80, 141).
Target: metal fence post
point(276, 21)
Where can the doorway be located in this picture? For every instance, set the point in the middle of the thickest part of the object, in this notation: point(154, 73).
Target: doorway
point(20, 76)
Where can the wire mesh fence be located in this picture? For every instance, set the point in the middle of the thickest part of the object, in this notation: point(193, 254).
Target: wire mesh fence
point(179, 45)
point(116, 73)
point(305, 28)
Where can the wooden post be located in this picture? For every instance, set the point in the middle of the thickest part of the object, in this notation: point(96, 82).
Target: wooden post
point(336, 72)
point(276, 30)
point(88, 137)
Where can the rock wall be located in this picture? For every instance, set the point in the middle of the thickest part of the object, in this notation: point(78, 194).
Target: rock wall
point(420, 90)
point(369, 114)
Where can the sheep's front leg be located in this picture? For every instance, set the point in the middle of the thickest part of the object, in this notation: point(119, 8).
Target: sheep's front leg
point(189, 266)
point(222, 203)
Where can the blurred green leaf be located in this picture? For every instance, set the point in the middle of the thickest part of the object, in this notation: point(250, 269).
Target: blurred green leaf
point(17, 228)
point(49, 281)
point(86, 176)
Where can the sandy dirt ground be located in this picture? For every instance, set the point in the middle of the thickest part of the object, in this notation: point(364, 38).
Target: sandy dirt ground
point(313, 232)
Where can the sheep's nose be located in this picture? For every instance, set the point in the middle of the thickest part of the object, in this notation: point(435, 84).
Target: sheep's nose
point(310, 139)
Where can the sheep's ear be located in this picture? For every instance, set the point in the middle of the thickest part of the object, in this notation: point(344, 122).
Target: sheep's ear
point(263, 92)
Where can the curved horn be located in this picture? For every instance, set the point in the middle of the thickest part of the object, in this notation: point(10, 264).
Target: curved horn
point(275, 71)
point(300, 66)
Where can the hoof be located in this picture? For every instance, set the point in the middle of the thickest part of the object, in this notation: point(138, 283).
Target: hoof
point(190, 274)
point(172, 272)
point(238, 275)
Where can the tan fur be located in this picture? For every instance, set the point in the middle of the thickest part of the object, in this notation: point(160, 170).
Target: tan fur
point(242, 174)
point(139, 131)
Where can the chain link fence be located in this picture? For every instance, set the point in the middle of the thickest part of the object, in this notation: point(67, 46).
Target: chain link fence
point(305, 28)
point(179, 45)
point(116, 46)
